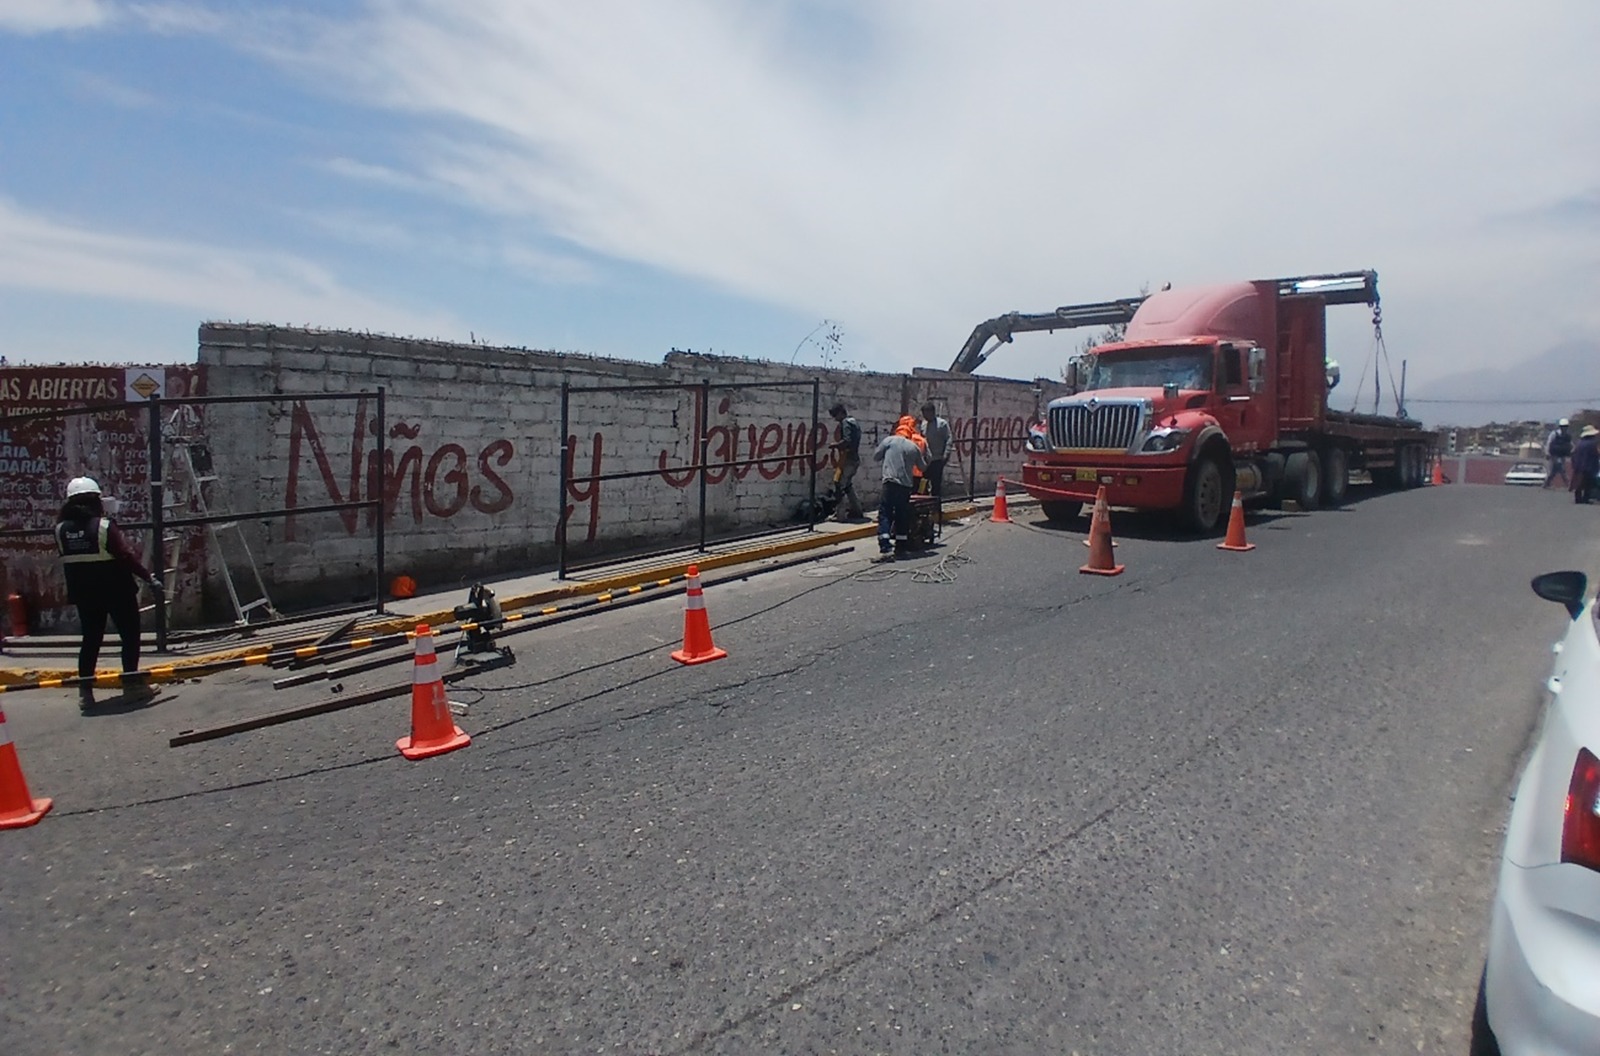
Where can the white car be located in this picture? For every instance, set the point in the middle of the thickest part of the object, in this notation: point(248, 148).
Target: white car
point(1526, 473)
point(1541, 979)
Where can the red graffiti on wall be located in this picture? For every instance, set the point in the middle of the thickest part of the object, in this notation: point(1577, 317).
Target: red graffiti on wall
point(441, 482)
point(997, 435)
point(583, 490)
point(762, 442)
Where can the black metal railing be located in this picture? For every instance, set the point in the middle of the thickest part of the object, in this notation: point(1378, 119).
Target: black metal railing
point(159, 523)
point(700, 468)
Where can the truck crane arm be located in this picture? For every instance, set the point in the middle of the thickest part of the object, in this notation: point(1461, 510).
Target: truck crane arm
point(1341, 287)
point(1001, 327)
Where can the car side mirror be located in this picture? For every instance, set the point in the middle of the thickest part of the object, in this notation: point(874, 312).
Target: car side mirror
point(1564, 588)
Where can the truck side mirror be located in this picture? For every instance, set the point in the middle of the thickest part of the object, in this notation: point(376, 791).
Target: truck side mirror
point(1072, 375)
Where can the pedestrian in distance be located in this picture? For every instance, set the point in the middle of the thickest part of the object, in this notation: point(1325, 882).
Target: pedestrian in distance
point(936, 431)
point(103, 575)
point(1585, 465)
point(847, 504)
point(902, 459)
point(1557, 449)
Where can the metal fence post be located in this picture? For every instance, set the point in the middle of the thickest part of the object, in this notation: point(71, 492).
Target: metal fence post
point(811, 453)
point(379, 542)
point(562, 445)
point(158, 547)
point(972, 475)
point(705, 446)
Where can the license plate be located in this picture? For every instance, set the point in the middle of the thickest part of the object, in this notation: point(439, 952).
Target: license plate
point(1086, 474)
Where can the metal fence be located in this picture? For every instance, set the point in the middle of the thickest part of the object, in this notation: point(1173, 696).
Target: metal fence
point(700, 468)
point(969, 445)
point(159, 523)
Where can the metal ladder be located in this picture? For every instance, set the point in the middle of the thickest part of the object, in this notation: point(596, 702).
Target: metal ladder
point(190, 463)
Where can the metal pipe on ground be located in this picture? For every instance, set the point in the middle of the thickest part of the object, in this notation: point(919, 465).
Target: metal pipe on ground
point(307, 711)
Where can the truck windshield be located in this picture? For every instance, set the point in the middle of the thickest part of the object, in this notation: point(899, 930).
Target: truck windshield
point(1188, 368)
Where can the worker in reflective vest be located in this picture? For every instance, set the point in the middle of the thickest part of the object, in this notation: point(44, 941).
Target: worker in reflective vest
point(103, 575)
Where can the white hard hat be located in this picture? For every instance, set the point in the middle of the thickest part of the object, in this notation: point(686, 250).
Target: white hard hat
point(1563, 422)
point(82, 486)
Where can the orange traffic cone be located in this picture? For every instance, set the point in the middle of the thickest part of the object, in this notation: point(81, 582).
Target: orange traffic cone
point(697, 647)
point(1102, 562)
point(18, 809)
point(1000, 516)
point(1438, 472)
point(433, 731)
point(1235, 539)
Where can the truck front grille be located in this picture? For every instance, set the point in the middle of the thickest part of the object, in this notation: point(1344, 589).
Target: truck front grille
point(1106, 426)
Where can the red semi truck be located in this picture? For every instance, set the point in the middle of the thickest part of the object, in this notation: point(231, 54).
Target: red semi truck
point(1209, 390)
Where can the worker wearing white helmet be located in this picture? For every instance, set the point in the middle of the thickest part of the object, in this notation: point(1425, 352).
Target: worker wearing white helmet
point(1557, 449)
point(103, 574)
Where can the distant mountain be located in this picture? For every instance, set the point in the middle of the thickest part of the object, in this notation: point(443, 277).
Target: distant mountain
point(1553, 384)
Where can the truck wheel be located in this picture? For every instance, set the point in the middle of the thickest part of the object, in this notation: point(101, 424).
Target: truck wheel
point(1060, 512)
point(1419, 466)
point(1207, 494)
point(1336, 477)
point(1303, 478)
point(1408, 467)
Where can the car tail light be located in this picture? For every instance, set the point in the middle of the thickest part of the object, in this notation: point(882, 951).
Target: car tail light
point(1580, 832)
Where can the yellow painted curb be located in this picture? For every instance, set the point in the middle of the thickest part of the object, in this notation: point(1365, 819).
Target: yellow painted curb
point(444, 617)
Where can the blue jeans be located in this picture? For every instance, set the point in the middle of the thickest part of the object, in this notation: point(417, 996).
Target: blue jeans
point(894, 517)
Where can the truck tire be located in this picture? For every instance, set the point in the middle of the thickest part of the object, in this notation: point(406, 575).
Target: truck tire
point(1335, 477)
point(1407, 467)
point(1207, 494)
point(1057, 512)
point(1302, 477)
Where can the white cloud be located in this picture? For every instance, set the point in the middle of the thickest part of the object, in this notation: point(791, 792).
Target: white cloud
point(47, 255)
point(485, 253)
point(115, 92)
point(51, 16)
point(377, 175)
point(960, 161)
point(179, 19)
point(914, 166)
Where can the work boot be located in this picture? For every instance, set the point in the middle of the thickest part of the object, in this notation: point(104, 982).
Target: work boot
point(86, 701)
point(136, 685)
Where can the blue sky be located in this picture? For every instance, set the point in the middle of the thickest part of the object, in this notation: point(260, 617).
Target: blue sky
point(621, 177)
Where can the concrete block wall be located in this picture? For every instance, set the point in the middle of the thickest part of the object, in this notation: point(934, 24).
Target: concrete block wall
point(471, 481)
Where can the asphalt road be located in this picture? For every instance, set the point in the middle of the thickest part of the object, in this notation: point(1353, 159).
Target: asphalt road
point(1223, 803)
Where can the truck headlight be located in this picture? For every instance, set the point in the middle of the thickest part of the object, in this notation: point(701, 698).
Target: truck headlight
point(1161, 440)
point(1037, 442)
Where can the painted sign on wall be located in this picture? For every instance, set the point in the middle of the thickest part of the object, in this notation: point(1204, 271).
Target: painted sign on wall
point(39, 455)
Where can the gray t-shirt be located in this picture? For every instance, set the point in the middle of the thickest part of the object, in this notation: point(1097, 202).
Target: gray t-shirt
point(899, 457)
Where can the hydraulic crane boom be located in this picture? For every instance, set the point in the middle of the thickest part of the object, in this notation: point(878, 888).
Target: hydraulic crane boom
point(1001, 327)
point(1344, 287)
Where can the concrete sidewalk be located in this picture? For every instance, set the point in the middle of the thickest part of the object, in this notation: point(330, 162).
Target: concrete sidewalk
point(47, 658)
